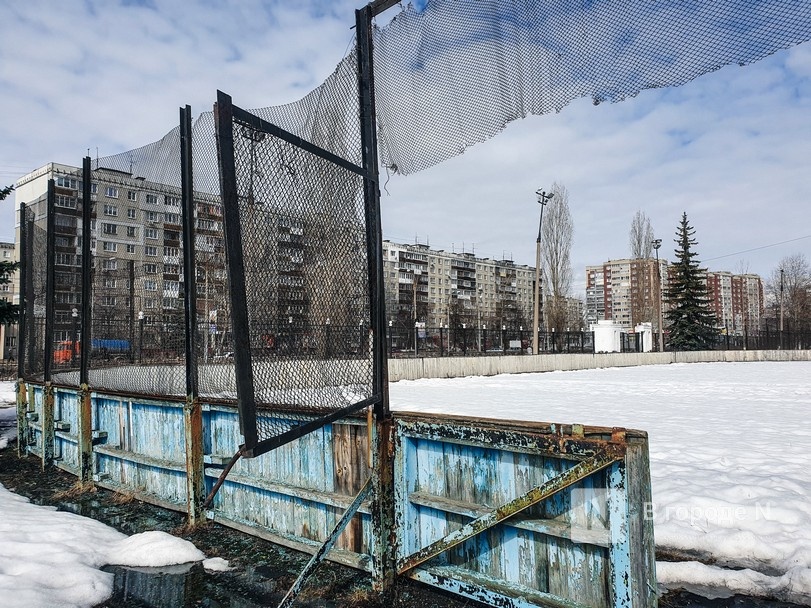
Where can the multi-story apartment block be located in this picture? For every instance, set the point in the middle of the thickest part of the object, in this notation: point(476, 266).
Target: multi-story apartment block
point(441, 288)
point(625, 291)
point(8, 293)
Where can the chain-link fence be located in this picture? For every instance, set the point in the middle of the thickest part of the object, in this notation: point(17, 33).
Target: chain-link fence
point(446, 76)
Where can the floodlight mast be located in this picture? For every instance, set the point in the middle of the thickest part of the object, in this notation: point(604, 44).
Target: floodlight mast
point(656, 244)
point(543, 198)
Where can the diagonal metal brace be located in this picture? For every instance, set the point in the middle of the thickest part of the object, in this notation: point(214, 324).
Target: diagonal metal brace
point(327, 546)
point(583, 469)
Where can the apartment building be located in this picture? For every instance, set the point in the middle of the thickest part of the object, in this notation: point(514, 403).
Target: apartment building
point(447, 289)
point(625, 291)
point(8, 293)
point(737, 301)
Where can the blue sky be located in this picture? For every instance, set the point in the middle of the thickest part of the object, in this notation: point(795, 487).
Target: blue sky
point(730, 148)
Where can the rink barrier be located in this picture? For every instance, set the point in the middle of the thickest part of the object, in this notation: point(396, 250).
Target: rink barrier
point(509, 513)
point(460, 367)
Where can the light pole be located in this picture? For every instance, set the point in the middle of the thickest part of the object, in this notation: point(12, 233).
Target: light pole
point(656, 244)
point(74, 315)
point(543, 198)
point(781, 308)
point(140, 336)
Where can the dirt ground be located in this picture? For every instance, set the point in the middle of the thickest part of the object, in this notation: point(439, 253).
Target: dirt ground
point(262, 572)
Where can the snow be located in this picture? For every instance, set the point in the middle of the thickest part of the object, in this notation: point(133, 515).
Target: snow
point(51, 558)
point(730, 447)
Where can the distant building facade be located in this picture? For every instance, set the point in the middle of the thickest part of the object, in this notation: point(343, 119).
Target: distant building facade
point(626, 292)
point(8, 293)
point(446, 289)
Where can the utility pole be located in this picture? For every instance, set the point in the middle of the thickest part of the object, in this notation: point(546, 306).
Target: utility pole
point(781, 308)
point(656, 244)
point(543, 198)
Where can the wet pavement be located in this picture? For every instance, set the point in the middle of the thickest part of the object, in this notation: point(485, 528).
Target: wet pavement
point(262, 572)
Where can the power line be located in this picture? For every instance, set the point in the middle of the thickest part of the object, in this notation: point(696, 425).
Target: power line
point(729, 255)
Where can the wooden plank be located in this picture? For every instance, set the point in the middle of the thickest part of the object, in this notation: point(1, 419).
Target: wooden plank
point(548, 489)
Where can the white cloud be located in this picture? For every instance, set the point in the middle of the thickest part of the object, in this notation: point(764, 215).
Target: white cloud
point(730, 148)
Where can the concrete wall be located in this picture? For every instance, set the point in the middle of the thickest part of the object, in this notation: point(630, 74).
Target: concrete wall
point(457, 367)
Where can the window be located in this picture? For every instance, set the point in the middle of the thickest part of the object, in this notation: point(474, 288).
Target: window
point(132, 196)
point(151, 251)
point(108, 246)
point(172, 218)
point(131, 213)
point(150, 268)
point(109, 228)
point(111, 192)
point(172, 201)
point(151, 233)
point(64, 259)
point(68, 202)
point(171, 235)
point(67, 182)
point(68, 221)
point(149, 303)
point(151, 216)
point(109, 264)
point(66, 297)
point(152, 199)
point(171, 269)
point(94, 188)
point(150, 285)
point(130, 248)
point(171, 252)
point(108, 301)
point(132, 231)
point(110, 210)
point(108, 283)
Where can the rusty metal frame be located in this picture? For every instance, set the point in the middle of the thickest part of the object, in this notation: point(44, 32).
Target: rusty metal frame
point(604, 457)
point(321, 554)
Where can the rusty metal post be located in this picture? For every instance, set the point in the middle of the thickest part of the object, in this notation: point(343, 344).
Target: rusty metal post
point(85, 431)
point(384, 540)
point(22, 418)
point(192, 410)
point(47, 425)
point(85, 435)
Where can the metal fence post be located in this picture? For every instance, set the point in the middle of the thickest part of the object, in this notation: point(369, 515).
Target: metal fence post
point(85, 431)
point(383, 562)
point(192, 411)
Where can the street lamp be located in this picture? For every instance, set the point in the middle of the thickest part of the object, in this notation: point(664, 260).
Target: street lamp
point(74, 314)
point(140, 336)
point(781, 308)
point(656, 244)
point(543, 198)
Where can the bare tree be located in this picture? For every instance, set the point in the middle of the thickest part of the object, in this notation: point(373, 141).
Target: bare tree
point(796, 284)
point(558, 230)
point(640, 237)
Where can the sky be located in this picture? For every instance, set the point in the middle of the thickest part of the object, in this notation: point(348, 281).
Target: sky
point(730, 148)
point(730, 450)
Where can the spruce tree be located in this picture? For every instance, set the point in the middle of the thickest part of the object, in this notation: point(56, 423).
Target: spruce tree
point(692, 322)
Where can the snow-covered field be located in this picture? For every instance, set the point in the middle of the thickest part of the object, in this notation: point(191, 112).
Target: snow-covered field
point(730, 448)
